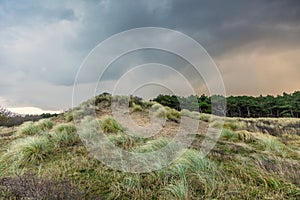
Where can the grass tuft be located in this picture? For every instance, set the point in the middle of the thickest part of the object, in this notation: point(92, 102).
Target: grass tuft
point(137, 108)
point(245, 136)
point(28, 128)
point(45, 124)
point(161, 113)
point(110, 125)
point(228, 135)
point(27, 150)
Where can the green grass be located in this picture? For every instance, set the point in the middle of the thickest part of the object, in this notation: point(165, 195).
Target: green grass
point(68, 128)
point(45, 124)
point(64, 139)
point(244, 164)
point(271, 144)
point(137, 108)
point(228, 135)
point(29, 128)
point(34, 128)
point(26, 151)
point(110, 125)
point(173, 114)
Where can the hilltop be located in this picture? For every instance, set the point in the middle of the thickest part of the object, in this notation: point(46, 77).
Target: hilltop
point(254, 158)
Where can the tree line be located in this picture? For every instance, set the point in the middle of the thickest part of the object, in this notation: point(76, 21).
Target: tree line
point(285, 105)
point(9, 119)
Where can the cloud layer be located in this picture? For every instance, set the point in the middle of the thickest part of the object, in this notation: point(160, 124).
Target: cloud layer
point(256, 44)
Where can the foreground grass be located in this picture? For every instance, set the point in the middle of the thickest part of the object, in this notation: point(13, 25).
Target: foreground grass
point(244, 164)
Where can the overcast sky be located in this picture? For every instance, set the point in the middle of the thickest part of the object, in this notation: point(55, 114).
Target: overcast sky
point(255, 44)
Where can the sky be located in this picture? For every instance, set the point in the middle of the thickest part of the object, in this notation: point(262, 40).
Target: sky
point(255, 45)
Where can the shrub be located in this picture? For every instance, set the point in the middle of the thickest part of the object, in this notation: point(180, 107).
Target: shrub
point(110, 125)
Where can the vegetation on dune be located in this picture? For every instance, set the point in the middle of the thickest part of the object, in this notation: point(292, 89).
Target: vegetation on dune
point(253, 159)
point(137, 107)
point(110, 125)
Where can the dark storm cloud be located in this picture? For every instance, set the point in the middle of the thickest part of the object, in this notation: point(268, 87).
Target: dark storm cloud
point(45, 42)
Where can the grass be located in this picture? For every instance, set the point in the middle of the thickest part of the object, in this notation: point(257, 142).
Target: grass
point(271, 144)
point(205, 117)
point(173, 115)
point(244, 164)
point(125, 141)
point(34, 128)
point(228, 135)
point(45, 124)
point(64, 139)
point(137, 108)
point(69, 116)
point(156, 106)
point(178, 189)
point(24, 151)
point(29, 128)
point(67, 127)
point(110, 125)
point(161, 113)
point(245, 136)
point(153, 145)
point(185, 112)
